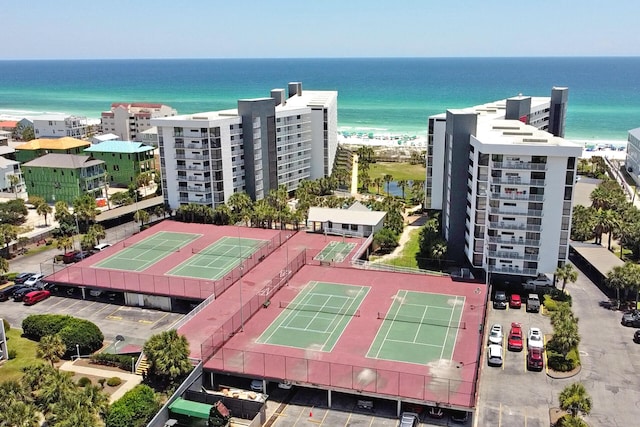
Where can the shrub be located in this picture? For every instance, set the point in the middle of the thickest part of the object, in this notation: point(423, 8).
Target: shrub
point(114, 381)
point(119, 360)
point(101, 381)
point(38, 325)
point(558, 362)
point(84, 381)
point(12, 353)
point(11, 276)
point(72, 331)
point(560, 296)
point(135, 408)
point(549, 303)
point(7, 326)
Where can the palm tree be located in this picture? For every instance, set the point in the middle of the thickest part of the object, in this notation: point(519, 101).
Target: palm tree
point(387, 179)
point(565, 335)
point(86, 209)
point(19, 414)
point(142, 216)
point(403, 184)
point(14, 180)
point(241, 206)
point(168, 355)
point(378, 181)
point(64, 243)
point(575, 399)
point(98, 232)
point(566, 273)
point(4, 266)
point(61, 211)
point(8, 233)
point(44, 209)
point(51, 348)
point(159, 211)
point(55, 386)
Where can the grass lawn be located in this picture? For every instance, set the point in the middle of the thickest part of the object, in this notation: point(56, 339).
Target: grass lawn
point(399, 171)
point(407, 257)
point(26, 355)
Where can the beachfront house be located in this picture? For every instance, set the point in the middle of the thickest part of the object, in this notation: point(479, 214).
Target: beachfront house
point(39, 147)
point(124, 160)
point(260, 145)
point(64, 177)
point(59, 126)
point(129, 120)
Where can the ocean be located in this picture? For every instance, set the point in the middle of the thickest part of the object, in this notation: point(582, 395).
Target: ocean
point(392, 96)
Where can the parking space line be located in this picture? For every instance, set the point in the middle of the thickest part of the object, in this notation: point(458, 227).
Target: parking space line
point(348, 418)
point(103, 308)
point(90, 305)
point(162, 317)
point(500, 415)
point(59, 302)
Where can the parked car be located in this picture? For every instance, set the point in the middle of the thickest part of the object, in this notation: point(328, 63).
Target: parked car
point(515, 301)
point(535, 360)
point(31, 281)
point(500, 300)
point(101, 247)
point(534, 339)
point(459, 416)
point(81, 255)
point(20, 278)
point(20, 293)
point(515, 337)
point(533, 303)
point(7, 292)
point(285, 385)
point(495, 355)
point(636, 336)
point(408, 419)
point(542, 281)
point(35, 296)
point(495, 334)
point(435, 412)
point(69, 257)
point(631, 318)
point(256, 385)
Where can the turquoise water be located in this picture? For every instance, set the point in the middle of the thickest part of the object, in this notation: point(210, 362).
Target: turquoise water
point(378, 95)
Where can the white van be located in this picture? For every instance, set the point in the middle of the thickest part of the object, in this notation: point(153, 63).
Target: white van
point(101, 247)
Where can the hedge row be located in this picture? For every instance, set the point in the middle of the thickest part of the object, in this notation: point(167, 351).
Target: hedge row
point(73, 331)
point(134, 409)
point(119, 360)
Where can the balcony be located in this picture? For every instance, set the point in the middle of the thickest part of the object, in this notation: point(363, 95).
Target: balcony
point(514, 226)
point(203, 200)
point(513, 241)
point(516, 212)
point(512, 255)
point(197, 178)
point(520, 166)
point(191, 157)
point(514, 270)
point(512, 181)
point(191, 168)
point(204, 190)
point(518, 196)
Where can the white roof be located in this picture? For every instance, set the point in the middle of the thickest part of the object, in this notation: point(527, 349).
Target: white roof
point(346, 216)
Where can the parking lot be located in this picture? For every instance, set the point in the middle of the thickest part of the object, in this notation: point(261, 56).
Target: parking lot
point(135, 324)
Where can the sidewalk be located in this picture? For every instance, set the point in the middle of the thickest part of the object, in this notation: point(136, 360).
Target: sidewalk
point(129, 381)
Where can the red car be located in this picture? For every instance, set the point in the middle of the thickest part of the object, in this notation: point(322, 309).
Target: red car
point(515, 301)
point(35, 296)
point(535, 360)
point(515, 338)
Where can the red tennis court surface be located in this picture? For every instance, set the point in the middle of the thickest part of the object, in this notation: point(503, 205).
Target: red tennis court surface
point(225, 337)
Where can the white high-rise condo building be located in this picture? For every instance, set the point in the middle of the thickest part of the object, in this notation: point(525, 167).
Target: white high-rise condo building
point(263, 143)
point(505, 183)
point(632, 162)
point(129, 120)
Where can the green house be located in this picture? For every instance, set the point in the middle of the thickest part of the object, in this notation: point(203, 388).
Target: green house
point(125, 160)
point(56, 177)
point(39, 147)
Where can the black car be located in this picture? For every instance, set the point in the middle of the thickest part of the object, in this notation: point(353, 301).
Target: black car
point(500, 300)
point(81, 255)
point(7, 293)
point(21, 292)
point(636, 337)
point(631, 318)
point(22, 277)
point(459, 416)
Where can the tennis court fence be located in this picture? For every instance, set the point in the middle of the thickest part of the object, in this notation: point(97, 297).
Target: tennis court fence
point(422, 321)
point(343, 311)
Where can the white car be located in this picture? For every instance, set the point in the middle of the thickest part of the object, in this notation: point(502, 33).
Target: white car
point(534, 338)
point(495, 335)
point(256, 385)
point(33, 280)
point(495, 355)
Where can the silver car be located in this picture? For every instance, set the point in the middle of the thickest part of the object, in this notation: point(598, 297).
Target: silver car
point(409, 419)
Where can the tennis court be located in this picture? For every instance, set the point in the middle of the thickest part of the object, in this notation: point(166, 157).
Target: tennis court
point(335, 251)
point(216, 260)
point(140, 255)
point(316, 318)
point(419, 327)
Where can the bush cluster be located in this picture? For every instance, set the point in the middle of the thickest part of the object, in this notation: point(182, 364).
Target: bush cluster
point(134, 409)
point(84, 381)
point(119, 360)
point(114, 381)
point(73, 331)
point(11, 276)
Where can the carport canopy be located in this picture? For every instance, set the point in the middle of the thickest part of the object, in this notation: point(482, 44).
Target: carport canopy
point(190, 408)
point(598, 256)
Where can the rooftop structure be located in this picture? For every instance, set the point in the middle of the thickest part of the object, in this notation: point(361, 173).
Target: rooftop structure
point(129, 120)
point(39, 147)
point(264, 143)
point(124, 160)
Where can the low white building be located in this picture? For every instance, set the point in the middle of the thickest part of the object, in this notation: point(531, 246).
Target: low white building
point(97, 139)
point(58, 126)
point(129, 120)
point(10, 168)
point(358, 220)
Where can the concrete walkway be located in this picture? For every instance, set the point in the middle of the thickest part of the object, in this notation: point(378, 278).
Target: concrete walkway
point(414, 223)
point(129, 381)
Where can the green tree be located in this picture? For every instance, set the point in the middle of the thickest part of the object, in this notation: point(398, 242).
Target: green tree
point(121, 198)
point(566, 273)
point(64, 243)
point(565, 335)
point(44, 209)
point(51, 348)
point(624, 277)
point(134, 409)
point(403, 184)
point(98, 232)
point(387, 179)
point(4, 266)
point(86, 209)
point(14, 180)
point(582, 223)
point(241, 207)
point(13, 212)
point(8, 233)
point(378, 181)
point(168, 355)
point(575, 399)
point(142, 216)
point(386, 239)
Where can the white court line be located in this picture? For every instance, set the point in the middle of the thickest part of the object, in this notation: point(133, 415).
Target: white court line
point(455, 339)
point(390, 326)
point(414, 343)
point(444, 344)
point(354, 299)
point(424, 312)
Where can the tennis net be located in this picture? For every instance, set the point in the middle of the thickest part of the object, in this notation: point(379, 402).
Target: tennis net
point(224, 251)
point(320, 309)
point(423, 321)
point(146, 246)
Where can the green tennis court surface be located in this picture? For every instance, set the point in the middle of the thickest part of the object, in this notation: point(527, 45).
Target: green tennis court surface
point(316, 318)
point(419, 327)
point(217, 259)
point(335, 251)
point(140, 255)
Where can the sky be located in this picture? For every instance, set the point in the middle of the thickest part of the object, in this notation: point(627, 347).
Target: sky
point(74, 29)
